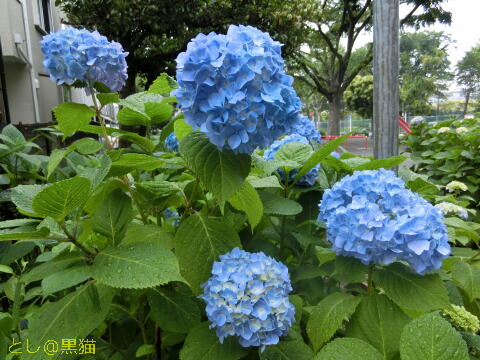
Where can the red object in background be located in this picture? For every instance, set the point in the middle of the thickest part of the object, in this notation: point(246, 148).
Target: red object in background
point(312, 113)
point(404, 125)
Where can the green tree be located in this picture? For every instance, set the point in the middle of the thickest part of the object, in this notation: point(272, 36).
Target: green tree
point(424, 70)
point(155, 31)
point(332, 63)
point(468, 74)
point(359, 96)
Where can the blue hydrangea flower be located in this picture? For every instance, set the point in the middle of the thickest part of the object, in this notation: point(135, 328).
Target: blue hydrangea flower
point(78, 54)
point(247, 297)
point(309, 178)
point(168, 213)
point(371, 216)
point(306, 128)
point(335, 154)
point(234, 88)
point(172, 142)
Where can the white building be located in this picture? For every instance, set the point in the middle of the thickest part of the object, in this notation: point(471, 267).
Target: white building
point(27, 95)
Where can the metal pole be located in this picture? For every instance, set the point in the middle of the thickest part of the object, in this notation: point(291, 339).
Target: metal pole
point(3, 86)
point(386, 64)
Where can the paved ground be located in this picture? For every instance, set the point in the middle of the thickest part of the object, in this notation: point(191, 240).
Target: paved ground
point(361, 147)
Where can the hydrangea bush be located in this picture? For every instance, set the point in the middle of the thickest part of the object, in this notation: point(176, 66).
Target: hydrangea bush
point(205, 251)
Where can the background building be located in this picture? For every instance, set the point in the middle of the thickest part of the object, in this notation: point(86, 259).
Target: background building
point(27, 93)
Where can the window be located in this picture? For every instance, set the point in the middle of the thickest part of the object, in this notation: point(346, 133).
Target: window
point(44, 21)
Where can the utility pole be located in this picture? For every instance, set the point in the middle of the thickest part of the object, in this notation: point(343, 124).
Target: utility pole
point(386, 64)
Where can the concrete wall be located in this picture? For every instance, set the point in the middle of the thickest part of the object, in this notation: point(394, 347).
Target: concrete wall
point(27, 104)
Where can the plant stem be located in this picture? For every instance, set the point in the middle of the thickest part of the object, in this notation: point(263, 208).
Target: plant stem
point(98, 115)
point(72, 239)
point(370, 281)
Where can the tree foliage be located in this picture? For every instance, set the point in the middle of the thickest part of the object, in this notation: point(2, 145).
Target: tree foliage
point(332, 63)
point(424, 69)
point(155, 31)
point(468, 74)
point(359, 96)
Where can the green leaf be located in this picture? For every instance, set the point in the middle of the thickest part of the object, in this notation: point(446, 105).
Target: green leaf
point(86, 146)
point(413, 293)
point(131, 161)
point(136, 266)
point(173, 311)
point(381, 163)
point(13, 134)
point(288, 350)
point(61, 198)
point(163, 85)
point(458, 223)
point(274, 204)
point(348, 269)
point(322, 153)
point(348, 349)
point(141, 141)
point(6, 269)
point(266, 182)
point(41, 233)
point(181, 128)
point(198, 243)
point(55, 159)
point(468, 278)
point(96, 174)
point(65, 279)
point(74, 316)
point(202, 343)
point(113, 216)
point(327, 317)
point(158, 112)
point(294, 151)
point(108, 98)
point(152, 233)
point(71, 117)
point(144, 350)
point(431, 337)
point(144, 108)
point(222, 172)
point(53, 266)
point(22, 196)
point(17, 222)
point(324, 255)
point(380, 322)
point(246, 199)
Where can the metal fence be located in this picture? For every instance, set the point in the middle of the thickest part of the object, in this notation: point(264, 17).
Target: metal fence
point(365, 125)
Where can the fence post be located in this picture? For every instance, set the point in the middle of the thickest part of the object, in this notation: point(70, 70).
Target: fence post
point(386, 60)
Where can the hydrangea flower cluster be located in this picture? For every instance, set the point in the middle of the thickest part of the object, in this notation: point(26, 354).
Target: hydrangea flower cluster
point(461, 130)
point(417, 120)
point(78, 54)
point(247, 297)
point(371, 216)
point(451, 209)
point(462, 319)
point(306, 128)
point(309, 178)
point(454, 186)
point(172, 142)
point(234, 88)
point(443, 130)
point(335, 154)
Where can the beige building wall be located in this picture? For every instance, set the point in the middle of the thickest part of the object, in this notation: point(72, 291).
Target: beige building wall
point(31, 93)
